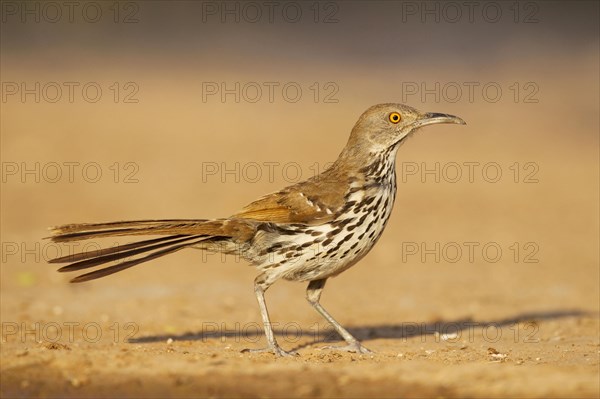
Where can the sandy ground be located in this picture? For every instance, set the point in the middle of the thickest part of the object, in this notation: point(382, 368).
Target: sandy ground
point(459, 333)
point(442, 323)
point(481, 286)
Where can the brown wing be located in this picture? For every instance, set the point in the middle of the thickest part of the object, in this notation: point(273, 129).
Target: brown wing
point(313, 201)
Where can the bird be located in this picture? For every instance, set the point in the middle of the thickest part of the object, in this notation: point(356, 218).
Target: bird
point(307, 232)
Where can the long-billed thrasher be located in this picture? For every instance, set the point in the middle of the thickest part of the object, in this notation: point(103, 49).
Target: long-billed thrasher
point(309, 231)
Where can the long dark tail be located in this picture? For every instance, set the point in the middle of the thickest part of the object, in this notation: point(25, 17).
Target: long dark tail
point(178, 234)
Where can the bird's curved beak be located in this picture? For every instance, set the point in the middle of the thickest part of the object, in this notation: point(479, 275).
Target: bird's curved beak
point(431, 118)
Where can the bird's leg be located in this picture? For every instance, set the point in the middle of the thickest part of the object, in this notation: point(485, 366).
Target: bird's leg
point(313, 293)
point(260, 286)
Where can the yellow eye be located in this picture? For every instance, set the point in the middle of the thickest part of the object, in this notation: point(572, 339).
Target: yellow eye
point(395, 117)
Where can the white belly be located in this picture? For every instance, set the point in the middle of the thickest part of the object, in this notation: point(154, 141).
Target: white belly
point(317, 252)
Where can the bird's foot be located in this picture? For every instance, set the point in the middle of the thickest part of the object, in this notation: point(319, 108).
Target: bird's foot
point(276, 350)
point(354, 347)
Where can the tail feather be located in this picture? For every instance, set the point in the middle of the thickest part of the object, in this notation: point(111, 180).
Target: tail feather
point(81, 227)
point(76, 232)
point(99, 260)
point(180, 233)
point(126, 265)
point(107, 251)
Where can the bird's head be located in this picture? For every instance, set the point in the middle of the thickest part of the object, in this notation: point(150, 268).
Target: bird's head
point(386, 125)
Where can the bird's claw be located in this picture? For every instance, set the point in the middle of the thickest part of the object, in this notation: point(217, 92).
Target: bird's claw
point(354, 347)
point(276, 350)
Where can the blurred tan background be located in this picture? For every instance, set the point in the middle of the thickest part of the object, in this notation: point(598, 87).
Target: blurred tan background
point(523, 75)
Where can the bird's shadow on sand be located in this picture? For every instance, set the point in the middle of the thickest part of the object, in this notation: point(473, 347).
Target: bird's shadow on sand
point(525, 325)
